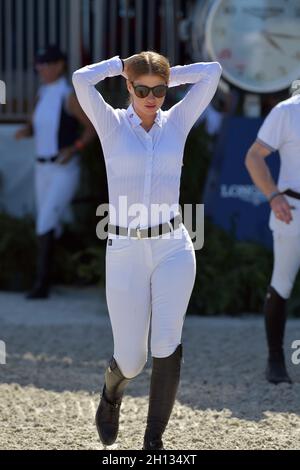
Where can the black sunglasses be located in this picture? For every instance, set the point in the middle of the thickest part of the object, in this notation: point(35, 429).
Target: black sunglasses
point(141, 91)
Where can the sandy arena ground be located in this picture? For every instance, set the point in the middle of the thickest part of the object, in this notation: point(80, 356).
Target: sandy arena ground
point(57, 351)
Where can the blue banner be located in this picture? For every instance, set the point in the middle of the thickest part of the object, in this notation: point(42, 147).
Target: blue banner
point(231, 199)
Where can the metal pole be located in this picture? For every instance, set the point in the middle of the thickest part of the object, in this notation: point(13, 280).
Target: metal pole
point(63, 7)
point(19, 95)
point(170, 24)
point(75, 35)
point(125, 31)
point(41, 23)
point(8, 56)
point(139, 25)
point(100, 30)
point(112, 27)
point(31, 78)
point(52, 21)
point(151, 24)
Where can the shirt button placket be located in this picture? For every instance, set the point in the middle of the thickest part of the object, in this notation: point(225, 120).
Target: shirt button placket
point(148, 175)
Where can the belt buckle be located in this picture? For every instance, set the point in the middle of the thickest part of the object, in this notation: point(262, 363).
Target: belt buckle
point(138, 232)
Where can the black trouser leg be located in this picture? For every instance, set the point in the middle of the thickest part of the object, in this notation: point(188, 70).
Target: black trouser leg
point(44, 263)
point(163, 388)
point(275, 319)
point(107, 416)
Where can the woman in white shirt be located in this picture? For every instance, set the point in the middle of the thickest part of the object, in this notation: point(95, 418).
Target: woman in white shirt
point(150, 273)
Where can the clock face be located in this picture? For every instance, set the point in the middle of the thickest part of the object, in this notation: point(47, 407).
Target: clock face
point(257, 42)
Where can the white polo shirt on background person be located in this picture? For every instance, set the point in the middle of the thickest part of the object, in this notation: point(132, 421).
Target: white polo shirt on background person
point(281, 131)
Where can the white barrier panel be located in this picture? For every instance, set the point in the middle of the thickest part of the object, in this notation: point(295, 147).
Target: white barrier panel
point(16, 172)
point(2, 353)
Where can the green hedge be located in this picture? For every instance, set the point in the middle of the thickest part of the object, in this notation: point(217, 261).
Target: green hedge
point(231, 276)
point(73, 261)
point(17, 252)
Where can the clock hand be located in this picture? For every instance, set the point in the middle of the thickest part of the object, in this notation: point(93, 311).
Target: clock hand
point(262, 15)
point(282, 35)
point(271, 41)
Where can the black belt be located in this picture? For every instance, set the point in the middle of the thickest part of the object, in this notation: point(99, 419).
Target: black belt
point(147, 232)
point(47, 160)
point(291, 193)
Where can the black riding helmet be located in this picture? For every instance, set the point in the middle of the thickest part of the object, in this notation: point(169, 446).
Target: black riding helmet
point(50, 54)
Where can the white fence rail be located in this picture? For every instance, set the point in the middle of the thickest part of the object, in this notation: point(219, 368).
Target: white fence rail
point(87, 30)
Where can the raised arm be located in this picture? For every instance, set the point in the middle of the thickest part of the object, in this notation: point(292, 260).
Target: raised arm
point(206, 76)
point(102, 115)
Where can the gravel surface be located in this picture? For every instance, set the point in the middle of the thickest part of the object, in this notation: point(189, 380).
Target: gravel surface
point(56, 354)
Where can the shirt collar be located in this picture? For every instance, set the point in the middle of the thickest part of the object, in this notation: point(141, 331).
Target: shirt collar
point(57, 83)
point(135, 120)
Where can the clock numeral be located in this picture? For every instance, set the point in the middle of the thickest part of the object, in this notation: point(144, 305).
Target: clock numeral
point(229, 10)
point(240, 68)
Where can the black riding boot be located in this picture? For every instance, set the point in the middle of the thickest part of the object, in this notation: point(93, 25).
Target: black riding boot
point(44, 261)
point(107, 416)
point(163, 388)
point(275, 318)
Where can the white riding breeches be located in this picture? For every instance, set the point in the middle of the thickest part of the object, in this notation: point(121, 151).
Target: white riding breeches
point(149, 282)
point(55, 186)
point(286, 263)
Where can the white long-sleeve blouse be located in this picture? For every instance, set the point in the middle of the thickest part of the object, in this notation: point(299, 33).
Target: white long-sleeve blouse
point(144, 168)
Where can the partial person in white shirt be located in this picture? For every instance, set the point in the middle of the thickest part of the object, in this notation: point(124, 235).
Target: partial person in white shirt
point(280, 131)
point(150, 259)
point(55, 125)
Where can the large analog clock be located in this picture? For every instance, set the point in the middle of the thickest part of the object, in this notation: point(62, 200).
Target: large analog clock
point(256, 41)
